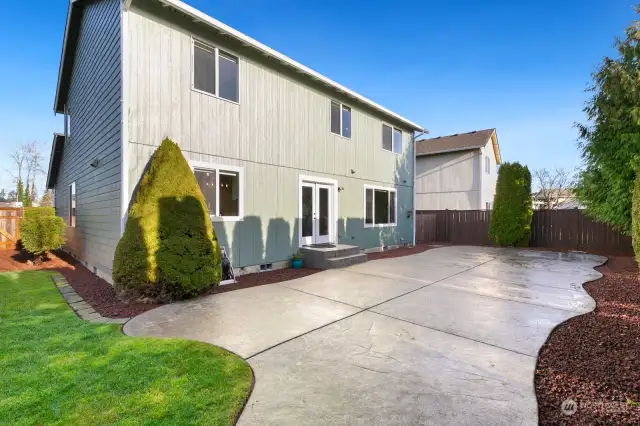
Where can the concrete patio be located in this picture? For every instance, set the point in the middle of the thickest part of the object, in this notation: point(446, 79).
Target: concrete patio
point(448, 336)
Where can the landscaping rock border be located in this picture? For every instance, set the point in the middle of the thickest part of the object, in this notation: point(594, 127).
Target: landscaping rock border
point(81, 308)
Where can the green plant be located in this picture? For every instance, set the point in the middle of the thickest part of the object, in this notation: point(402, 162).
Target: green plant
point(169, 249)
point(610, 141)
point(297, 255)
point(41, 231)
point(512, 210)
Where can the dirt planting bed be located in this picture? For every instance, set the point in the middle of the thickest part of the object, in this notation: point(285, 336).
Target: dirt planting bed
point(594, 359)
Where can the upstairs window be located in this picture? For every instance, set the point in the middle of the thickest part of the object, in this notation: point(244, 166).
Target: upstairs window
point(340, 119)
point(215, 72)
point(380, 206)
point(487, 165)
point(391, 139)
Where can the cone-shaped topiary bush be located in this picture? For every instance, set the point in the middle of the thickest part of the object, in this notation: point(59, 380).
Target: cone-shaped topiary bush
point(635, 216)
point(512, 209)
point(168, 249)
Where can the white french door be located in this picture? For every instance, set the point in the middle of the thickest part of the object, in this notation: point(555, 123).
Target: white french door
point(316, 213)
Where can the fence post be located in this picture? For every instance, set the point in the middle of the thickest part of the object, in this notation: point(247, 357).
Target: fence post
point(578, 228)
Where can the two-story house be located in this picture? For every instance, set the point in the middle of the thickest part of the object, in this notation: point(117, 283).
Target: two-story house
point(285, 156)
point(457, 172)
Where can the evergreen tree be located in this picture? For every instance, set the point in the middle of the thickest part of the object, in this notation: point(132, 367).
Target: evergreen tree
point(169, 249)
point(512, 209)
point(19, 191)
point(611, 142)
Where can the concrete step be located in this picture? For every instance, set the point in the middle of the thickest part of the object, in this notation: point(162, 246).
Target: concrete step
point(344, 261)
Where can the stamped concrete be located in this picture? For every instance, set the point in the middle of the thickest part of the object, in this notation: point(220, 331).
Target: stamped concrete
point(448, 336)
point(243, 321)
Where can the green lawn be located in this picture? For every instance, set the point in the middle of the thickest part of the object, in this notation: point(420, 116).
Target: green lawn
point(58, 369)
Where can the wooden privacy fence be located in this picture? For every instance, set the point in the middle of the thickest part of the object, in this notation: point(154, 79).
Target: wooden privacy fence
point(9, 227)
point(556, 229)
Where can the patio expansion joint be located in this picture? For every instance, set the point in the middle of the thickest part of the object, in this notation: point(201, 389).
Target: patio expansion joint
point(361, 310)
point(79, 306)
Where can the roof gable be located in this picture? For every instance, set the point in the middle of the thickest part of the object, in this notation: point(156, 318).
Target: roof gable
point(459, 142)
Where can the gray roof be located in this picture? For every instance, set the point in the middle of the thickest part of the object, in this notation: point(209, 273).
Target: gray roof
point(74, 17)
point(54, 160)
point(458, 142)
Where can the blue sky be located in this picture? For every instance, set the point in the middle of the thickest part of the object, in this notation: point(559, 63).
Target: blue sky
point(452, 66)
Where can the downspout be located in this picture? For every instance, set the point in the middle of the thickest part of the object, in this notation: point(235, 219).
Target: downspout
point(124, 116)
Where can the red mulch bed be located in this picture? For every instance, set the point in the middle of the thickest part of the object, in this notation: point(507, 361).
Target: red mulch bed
point(399, 252)
point(262, 278)
point(104, 299)
point(94, 290)
point(594, 359)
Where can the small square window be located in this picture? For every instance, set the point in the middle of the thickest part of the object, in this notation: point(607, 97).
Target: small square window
point(380, 207)
point(215, 72)
point(340, 119)
point(222, 190)
point(391, 139)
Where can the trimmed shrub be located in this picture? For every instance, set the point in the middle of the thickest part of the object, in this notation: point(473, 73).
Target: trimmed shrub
point(512, 209)
point(635, 217)
point(41, 230)
point(169, 249)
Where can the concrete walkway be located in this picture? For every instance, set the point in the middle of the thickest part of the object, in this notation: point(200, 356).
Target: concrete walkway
point(448, 336)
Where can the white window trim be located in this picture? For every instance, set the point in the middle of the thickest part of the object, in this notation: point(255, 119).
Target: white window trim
point(393, 128)
point(203, 165)
point(487, 164)
point(331, 101)
point(364, 206)
point(217, 61)
point(73, 190)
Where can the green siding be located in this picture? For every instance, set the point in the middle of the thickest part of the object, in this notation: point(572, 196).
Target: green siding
point(279, 131)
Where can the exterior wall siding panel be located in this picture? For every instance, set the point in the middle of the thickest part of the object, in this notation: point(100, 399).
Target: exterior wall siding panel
point(449, 181)
point(279, 130)
point(94, 105)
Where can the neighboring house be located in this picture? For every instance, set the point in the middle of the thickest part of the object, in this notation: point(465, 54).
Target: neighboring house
point(457, 172)
point(555, 199)
point(284, 156)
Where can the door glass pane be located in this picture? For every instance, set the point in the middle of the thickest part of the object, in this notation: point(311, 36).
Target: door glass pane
point(204, 68)
point(307, 211)
point(381, 206)
point(207, 182)
point(392, 207)
point(323, 211)
point(335, 118)
point(229, 194)
point(369, 207)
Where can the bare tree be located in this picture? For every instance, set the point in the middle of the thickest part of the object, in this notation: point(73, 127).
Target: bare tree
point(553, 187)
point(27, 158)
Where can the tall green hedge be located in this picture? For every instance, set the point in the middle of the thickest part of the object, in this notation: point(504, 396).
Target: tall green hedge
point(169, 249)
point(635, 217)
point(512, 209)
point(41, 230)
